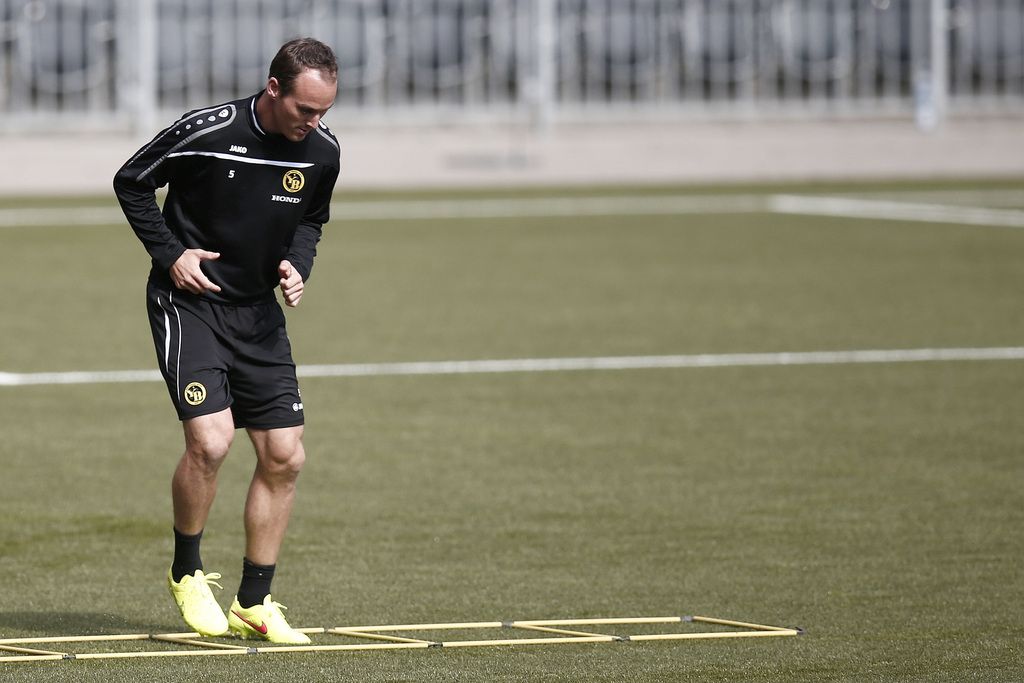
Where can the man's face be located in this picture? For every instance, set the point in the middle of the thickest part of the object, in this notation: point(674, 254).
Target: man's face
point(298, 113)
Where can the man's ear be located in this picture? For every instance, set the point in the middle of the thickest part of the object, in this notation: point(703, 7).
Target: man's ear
point(273, 87)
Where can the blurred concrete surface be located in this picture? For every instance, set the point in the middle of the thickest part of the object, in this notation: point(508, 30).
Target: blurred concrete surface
point(603, 154)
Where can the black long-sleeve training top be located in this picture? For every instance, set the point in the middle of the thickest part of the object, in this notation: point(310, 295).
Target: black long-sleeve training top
point(254, 197)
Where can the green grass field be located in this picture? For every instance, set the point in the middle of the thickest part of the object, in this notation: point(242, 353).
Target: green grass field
point(878, 506)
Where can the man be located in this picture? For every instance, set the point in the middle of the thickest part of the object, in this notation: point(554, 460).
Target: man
point(249, 189)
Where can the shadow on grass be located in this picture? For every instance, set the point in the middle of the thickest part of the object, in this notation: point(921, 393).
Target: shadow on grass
point(37, 624)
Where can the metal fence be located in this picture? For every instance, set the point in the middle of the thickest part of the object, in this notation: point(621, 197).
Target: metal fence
point(99, 64)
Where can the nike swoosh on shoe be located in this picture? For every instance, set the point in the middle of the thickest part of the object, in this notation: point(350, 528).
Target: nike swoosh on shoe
point(262, 628)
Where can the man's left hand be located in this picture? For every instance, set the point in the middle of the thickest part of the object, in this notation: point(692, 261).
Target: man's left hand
point(291, 283)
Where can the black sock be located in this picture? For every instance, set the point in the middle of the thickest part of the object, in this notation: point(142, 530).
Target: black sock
point(255, 585)
point(186, 555)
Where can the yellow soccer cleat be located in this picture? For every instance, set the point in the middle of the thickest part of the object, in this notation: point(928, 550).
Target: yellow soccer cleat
point(264, 622)
point(196, 602)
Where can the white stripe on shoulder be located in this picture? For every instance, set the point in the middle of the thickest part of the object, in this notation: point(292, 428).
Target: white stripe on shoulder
point(220, 116)
point(246, 160)
point(255, 119)
point(329, 138)
point(174, 127)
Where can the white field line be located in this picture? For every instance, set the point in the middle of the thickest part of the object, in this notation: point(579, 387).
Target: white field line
point(624, 205)
point(846, 207)
point(553, 206)
point(562, 364)
point(621, 205)
point(994, 198)
point(65, 216)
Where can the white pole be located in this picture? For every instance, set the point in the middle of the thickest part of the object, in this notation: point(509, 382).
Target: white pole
point(145, 102)
point(940, 58)
point(930, 87)
point(544, 85)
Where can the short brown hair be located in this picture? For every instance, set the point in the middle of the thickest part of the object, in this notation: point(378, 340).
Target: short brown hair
point(300, 54)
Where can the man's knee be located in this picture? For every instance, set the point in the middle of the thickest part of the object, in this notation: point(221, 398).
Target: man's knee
point(286, 462)
point(207, 443)
point(281, 455)
point(210, 449)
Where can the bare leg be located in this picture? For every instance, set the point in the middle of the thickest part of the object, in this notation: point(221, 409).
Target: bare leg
point(207, 440)
point(279, 458)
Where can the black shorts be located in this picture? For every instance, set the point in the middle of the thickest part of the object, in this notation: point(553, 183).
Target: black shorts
point(215, 356)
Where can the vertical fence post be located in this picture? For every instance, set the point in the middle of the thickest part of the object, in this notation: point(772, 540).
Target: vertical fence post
point(544, 86)
point(145, 75)
point(940, 58)
point(931, 83)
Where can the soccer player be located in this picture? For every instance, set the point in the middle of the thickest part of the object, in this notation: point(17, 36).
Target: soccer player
point(249, 189)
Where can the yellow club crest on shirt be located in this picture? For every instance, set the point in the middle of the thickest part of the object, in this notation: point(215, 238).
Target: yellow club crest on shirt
point(293, 180)
point(195, 394)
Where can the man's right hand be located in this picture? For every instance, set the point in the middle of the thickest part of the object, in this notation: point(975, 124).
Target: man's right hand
point(186, 273)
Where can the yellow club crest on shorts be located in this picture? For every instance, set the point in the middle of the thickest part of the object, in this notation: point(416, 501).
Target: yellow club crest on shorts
point(293, 180)
point(195, 393)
